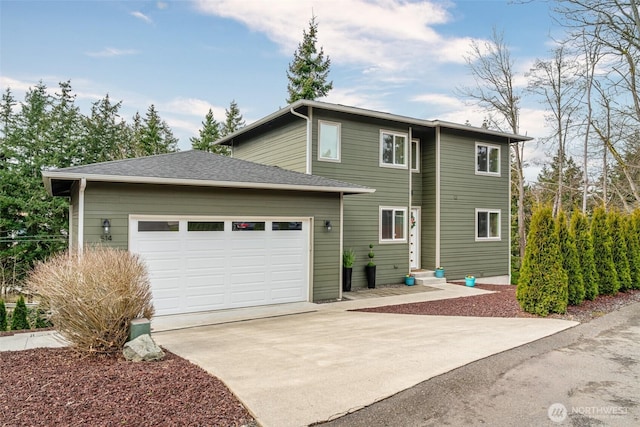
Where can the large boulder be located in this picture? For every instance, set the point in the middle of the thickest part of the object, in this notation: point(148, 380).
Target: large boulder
point(142, 349)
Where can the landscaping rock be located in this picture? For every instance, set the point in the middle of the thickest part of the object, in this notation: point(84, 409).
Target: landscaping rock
point(142, 349)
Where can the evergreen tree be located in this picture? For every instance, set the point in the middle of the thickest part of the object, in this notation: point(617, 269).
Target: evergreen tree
point(632, 234)
point(104, 133)
point(584, 245)
point(19, 319)
point(309, 69)
point(570, 260)
point(547, 183)
point(208, 135)
point(543, 284)
point(155, 135)
point(3, 316)
point(619, 249)
point(65, 130)
point(608, 283)
point(233, 120)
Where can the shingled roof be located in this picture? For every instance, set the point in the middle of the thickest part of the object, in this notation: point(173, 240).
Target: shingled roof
point(194, 168)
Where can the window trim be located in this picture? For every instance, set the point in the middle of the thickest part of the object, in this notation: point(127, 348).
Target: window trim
point(339, 146)
point(489, 147)
point(381, 159)
point(417, 156)
point(489, 212)
point(393, 209)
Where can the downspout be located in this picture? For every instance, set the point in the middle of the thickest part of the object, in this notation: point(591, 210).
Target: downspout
point(437, 260)
point(83, 185)
point(341, 241)
point(410, 145)
point(308, 156)
point(509, 218)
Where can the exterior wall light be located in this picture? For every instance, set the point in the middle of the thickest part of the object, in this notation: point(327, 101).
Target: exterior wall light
point(106, 229)
point(327, 225)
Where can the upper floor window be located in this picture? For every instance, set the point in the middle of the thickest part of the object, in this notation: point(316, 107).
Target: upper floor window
point(487, 159)
point(392, 224)
point(329, 141)
point(415, 155)
point(487, 224)
point(393, 149)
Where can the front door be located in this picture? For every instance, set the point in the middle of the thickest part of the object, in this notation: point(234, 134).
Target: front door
point(414, 239)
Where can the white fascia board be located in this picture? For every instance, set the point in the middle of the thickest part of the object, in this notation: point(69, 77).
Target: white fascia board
point(48, 175)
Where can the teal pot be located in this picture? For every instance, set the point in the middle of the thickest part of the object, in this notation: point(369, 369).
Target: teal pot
point(439, 273)
point(470, 281)
point(409, 281)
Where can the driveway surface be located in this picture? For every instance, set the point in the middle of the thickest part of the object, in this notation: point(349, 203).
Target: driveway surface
point(304, 368)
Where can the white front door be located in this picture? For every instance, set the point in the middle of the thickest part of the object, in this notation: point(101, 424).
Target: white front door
point(414, 239)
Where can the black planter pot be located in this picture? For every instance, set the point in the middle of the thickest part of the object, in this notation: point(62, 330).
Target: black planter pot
point(370, 271)
point(346, 279)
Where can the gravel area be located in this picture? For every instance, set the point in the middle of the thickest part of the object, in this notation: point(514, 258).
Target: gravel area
point(59, 387)
point(502, 303)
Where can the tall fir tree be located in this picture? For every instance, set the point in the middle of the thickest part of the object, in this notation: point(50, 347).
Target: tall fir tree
point(309, 70)
point(543, 283)
point(233, 120)
point(105, 133)
point(619, 250)
point(155, 135)
point(584, 245)
point(608, 283)
point(208, 135)
point(632, 233)
point(570, 260)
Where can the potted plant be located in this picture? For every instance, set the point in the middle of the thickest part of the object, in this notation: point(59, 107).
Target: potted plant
point(470, 280)
point(370, 269)
point(439, 273)
point(409, 280)
point(348, 258)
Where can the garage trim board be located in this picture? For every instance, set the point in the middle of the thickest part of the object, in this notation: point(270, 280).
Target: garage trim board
point(203, 263)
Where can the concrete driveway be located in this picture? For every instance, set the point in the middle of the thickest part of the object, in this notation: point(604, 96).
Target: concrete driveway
point(303, 368)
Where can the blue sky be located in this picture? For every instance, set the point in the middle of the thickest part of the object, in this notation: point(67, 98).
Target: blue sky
point(399, 56)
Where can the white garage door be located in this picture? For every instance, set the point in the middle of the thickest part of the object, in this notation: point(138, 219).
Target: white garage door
point(200, 264)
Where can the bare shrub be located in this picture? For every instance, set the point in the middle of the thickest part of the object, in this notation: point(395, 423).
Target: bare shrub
point(94, 296)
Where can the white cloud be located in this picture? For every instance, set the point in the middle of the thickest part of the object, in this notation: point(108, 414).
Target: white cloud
point(142, 16)
point(109, 52)
point(440, 101)
point(194, 107)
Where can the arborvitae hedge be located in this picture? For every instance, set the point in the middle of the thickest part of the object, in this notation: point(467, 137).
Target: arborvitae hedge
point(619, 249)
point(3, 316)
point(632, 229)
point(542, 285)
point(608, 283)
point(19, 319)
point(582, 237)
point(570, 260)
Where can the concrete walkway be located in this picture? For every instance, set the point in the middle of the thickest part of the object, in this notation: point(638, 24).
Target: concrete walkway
point(299, 369)
point(27, 340)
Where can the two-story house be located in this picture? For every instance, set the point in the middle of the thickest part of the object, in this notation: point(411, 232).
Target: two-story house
point(442, 189)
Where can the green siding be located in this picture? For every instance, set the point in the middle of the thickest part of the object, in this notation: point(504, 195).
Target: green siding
point(360, 144)
point(73, 230)
point(461, 192)
point(118, 201)
point(428, 236)
point(284, 147)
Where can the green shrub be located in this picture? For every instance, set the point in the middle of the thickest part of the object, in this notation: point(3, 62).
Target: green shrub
point(38, 319)
point(19, 319)
point(542, 285)
point(94, 297)
point(632, 233)
point(584, 245)
point(570, 261)
point(3, 316)
point(608, 283)
point(619, 249)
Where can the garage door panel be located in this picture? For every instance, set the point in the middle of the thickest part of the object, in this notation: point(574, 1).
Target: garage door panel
point(222, 268)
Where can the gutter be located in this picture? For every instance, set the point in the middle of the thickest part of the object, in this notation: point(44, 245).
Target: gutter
point(83, 185)
point(308, 151)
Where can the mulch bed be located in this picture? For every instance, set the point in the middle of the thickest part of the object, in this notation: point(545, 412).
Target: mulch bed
point(503, 303)
point(56, 387)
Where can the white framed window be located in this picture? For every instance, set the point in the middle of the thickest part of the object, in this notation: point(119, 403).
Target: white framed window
point(487, 224)
point(415, 155)
point(393, 149)
point(329, 141)
point(393, 224)
point(487, 159)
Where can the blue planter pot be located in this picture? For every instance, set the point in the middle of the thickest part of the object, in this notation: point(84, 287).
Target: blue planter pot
point(470, 281)
point(439, 273)
point(409, 281)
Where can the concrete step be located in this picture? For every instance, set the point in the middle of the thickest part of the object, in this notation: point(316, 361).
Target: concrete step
point(430, 281)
